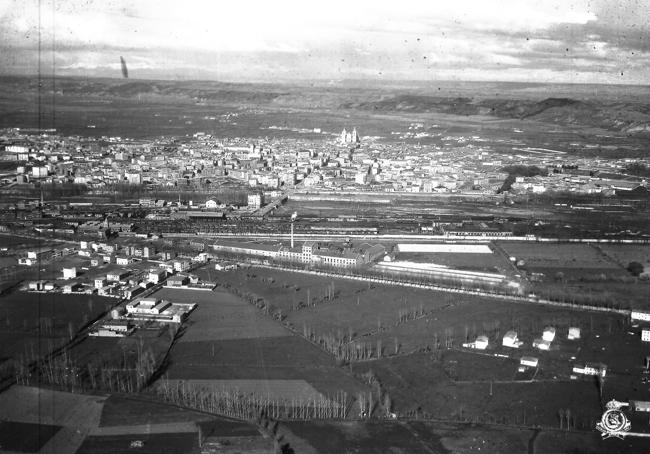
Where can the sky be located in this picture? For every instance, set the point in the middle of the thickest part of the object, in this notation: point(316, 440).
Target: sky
point(564, 41)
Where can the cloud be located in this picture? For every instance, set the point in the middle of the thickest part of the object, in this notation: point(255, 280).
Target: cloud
point(466, 38)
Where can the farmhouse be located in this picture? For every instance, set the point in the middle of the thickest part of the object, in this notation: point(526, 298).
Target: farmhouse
point(510, 340)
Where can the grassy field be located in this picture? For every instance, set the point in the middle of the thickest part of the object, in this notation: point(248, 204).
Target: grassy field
point(25, 437)
point(120, 410)
point(282, 389)
point(170, 443)
point(419, 384)
point(221, 315)
point(229, 340)
point(404, 321)
point(572, 260)
point(626, 253)
point(405, 437)
point(33, 324)
point(260, 359)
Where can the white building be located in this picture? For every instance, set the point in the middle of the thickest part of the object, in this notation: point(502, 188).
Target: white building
point(133, 178)
point(255, 201)
point(591, 369)
point(69, 273)
point(181, 265)
point(542, 344)
point(510, 340)
point(100, 282)
point(640, 315)
point(156, 276)
point(39, 172)
point(149, 306)
point(123, 260)
point(529, 361)
point(574, 333)
point(548, 334)
point(481, 343)
point(645, 335)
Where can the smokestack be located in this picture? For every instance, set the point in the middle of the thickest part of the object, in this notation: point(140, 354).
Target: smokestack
point(293, 218)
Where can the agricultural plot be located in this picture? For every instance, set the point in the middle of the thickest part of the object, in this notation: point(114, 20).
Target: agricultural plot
point(229, 343)
point(623, 254)
point(563, 442)
point(492, 263)
point(418, 384)
point(402, 437)
point(33, 324)
point(25, 437)
point(163, 443)
point(17, 243)
point(110, 364)
point(260, 359)
point(286, 291)
point(284, 390)
point(221, 315)
point(562, 261)
point(121, 410)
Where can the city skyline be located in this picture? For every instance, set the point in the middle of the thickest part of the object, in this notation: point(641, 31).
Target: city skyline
point(550, 41)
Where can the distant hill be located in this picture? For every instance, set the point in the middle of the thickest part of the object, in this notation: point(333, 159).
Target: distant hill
point(611, 108)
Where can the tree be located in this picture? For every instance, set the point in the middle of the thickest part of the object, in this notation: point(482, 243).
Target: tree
point(635, 268)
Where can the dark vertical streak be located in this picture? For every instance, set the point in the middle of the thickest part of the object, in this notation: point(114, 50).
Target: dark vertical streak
point(39, 81)
point(53, 66)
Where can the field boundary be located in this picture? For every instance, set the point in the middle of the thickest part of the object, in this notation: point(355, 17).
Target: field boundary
point(516, 299)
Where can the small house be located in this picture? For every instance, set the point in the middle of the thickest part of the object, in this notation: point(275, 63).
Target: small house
point(529, 361)
point(542, 344)
point(548, 334)
point(510, 340)
point(574, 333)
point(480, 343)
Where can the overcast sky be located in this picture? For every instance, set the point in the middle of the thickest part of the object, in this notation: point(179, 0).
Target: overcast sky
point(602, 41)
